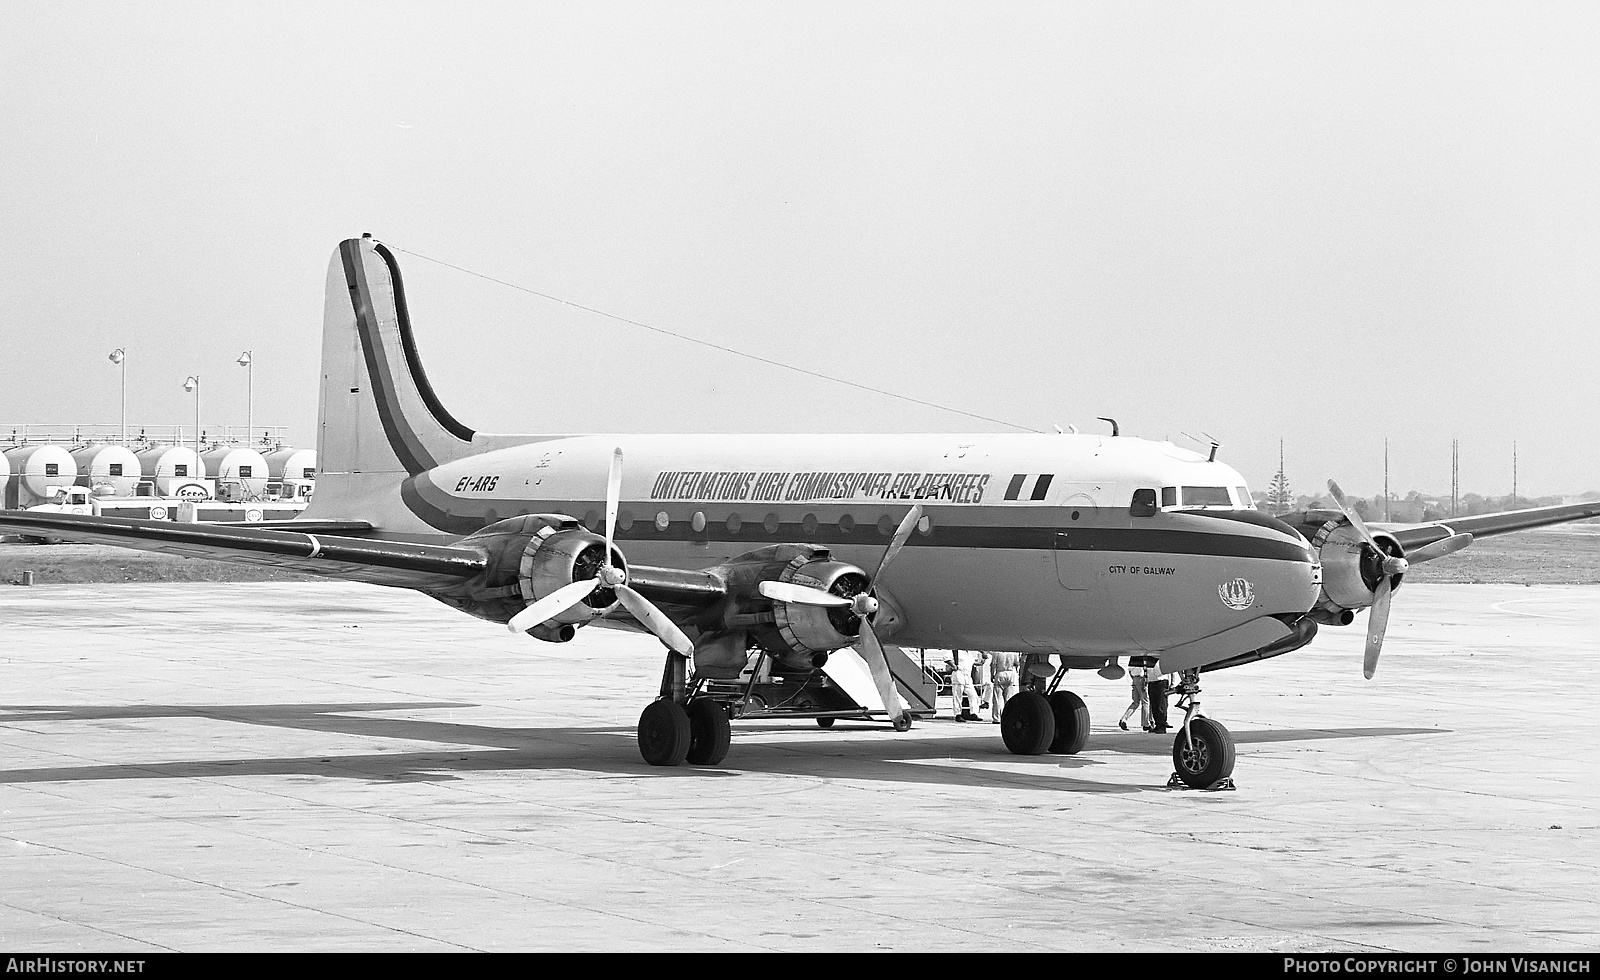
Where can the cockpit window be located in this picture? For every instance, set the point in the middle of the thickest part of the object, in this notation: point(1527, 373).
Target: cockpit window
point(1206, 497)
point(1169, 496)
point(1244, 502)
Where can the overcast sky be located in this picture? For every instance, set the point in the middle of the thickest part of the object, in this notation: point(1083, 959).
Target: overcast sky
point(1326, 224)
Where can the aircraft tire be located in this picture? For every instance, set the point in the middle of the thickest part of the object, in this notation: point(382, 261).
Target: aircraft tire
point(709, 733)
point(826, 722)
point(1072, 723)
point(1028, 726)
point(664, 733)
point(1211, 758)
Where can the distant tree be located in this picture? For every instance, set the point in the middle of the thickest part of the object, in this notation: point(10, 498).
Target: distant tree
point(1280, 499)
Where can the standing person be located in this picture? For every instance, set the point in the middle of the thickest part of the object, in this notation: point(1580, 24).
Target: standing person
point(961, 686)
point(1158, 700)
point(1141, 699)
point(1003, 682)
point(980, 681)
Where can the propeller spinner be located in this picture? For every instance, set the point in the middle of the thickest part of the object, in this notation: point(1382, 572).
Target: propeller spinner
point(607, 576)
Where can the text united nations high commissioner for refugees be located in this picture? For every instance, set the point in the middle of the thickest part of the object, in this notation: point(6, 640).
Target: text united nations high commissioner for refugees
point(1436, 964)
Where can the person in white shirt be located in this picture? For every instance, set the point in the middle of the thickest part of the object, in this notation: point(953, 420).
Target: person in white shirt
point(1141, 699)
point(961, 686)
point(1003, 682)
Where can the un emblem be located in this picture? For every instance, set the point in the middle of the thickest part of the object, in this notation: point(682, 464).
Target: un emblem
point(1237, 594)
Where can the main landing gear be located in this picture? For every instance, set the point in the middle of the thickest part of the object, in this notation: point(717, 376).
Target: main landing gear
point(1036, 722)
point(676, 729)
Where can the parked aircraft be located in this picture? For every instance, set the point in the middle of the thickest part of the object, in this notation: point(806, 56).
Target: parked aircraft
point(767, 563)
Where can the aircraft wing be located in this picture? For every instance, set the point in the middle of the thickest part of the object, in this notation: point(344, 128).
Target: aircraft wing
point(1412, 536)
point(413, 566)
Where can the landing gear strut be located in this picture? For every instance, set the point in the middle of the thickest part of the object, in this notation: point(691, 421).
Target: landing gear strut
point(1202, 752)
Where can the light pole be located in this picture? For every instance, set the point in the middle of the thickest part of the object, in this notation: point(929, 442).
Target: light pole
point(192, 383)
point(120, 357)
point(250, 397)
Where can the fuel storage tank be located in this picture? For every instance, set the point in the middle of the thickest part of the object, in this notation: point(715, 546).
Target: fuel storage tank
point(107, 470)
point(171, 468)
point(239, 472)
point(34, 470)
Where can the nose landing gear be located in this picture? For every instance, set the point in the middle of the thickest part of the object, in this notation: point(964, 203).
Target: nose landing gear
point(1202, 752)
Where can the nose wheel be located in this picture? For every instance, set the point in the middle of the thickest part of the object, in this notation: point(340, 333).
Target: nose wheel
point(1202, 752)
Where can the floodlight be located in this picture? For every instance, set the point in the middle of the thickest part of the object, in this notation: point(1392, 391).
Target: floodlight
point(116, 356)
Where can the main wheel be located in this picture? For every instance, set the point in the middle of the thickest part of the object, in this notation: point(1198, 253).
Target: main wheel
point(1072, 723)
point(664, 733)
point(826, 722)
point(709, 733)
point(1028, 726)
point(1209, 759)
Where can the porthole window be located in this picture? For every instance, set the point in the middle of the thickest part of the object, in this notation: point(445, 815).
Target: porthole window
point(925, 526)
point(591, 520)
point(625, 519)
point(808, 524)
point(885, 525)
point(662, 521)
point(698, 521)
point(734, 523)
point(1074, 515)
point(847, 523)
point(772, 524)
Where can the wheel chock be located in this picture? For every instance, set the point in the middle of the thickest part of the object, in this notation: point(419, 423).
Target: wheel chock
point(1223, 785)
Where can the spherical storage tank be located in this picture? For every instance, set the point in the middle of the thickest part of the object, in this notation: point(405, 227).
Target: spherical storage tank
point(37, 468)
point(236, 463)
point(170, 466)
point(104, 465)
point(292, 464)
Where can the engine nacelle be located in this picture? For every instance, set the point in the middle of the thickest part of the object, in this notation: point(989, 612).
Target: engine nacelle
point(558, 556)
point(1351, 568)
point(529, 557)
point(808, 630)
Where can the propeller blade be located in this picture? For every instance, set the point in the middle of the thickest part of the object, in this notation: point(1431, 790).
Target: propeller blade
point(803, 594)
point(1439, 549)
point(872, 652)
point(902, 534)
point(1354, 518)
point(613, 494)
point(1377, 625)
point(655, 621)
point(554, 604)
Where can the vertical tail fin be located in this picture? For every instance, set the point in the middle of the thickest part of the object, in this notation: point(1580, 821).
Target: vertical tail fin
point(379, 421)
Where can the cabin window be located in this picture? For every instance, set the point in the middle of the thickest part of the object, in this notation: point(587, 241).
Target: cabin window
point(116, 469)
point(846, 523)
point(1206, 497)
point(1144, 503)
point(1169, 496)
point(735, 522)
point(180, 469)
point(772, 524)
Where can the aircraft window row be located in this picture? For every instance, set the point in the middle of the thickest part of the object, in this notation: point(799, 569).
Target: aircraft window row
point(772, 524)
point(1203, 497)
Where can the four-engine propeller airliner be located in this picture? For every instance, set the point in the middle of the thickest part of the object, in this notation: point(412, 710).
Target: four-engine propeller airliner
point(767, 564)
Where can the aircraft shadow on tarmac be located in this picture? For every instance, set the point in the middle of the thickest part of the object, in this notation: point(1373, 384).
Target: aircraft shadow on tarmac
point(976, 759)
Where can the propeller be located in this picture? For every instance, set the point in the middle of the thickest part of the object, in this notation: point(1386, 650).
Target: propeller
point(1391, 565)
point(863, 606)
point(607, 576)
